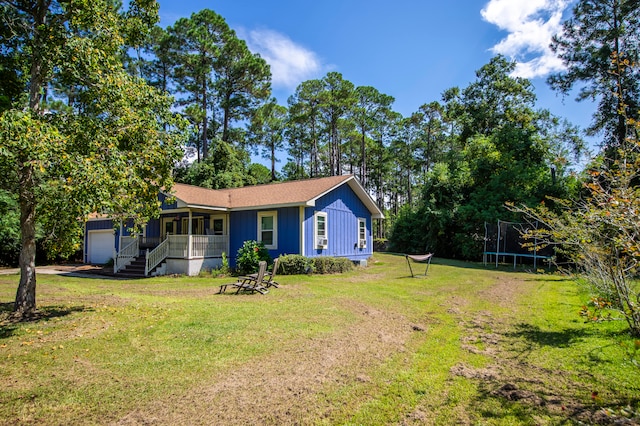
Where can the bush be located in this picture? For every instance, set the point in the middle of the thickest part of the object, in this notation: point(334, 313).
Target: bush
point(249, 255)
point(331, 265)
point(294, 264)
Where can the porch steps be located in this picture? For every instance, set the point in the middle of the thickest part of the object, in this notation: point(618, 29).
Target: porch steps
point(135, 269)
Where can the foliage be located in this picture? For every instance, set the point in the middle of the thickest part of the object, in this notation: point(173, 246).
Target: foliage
point(83, 136)
point(224, 168)
point(249, 256)
point(215, 77)
point(9, 229)
point(267, 131)
point(596, 31)
point(331, 265)
point(294, 264)
point(257, 174)
point(600, 233)
point(502, 150)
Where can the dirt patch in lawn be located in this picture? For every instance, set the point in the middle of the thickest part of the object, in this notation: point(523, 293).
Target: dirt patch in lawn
point(296, 384)
point(285, 387)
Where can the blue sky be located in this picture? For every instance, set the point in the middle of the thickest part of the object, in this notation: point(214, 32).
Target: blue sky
point(412, 50)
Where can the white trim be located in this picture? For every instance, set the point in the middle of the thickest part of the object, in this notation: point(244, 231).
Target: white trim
point(362, 242)
point(360, 192)
point(274, 214)
point(163, 221)
point(213, 218)
point(302, 240)
point(316, 237)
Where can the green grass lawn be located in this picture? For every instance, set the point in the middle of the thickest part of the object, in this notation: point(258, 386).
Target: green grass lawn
point(466, 344)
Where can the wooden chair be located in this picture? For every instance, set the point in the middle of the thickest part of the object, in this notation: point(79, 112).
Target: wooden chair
point(269, 277)
point(419, 258)
point(249, 284)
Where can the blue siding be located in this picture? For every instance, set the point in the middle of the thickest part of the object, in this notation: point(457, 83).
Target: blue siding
point(166, 205)
point(243, 226)
point(153, 228)
point(343, 208)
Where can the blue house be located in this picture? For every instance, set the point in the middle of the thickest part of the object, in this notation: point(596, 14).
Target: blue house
point(329, 216)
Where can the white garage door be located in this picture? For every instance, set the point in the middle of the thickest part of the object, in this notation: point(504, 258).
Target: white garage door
point(100, 246)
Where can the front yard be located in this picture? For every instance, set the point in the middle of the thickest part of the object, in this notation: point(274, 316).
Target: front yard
point(466, 345)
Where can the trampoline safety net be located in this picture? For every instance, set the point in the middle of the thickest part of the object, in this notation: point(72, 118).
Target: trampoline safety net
point(505, 239)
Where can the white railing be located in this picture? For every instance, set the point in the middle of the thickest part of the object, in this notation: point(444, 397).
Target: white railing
point(178, 246)
point(208, 245)
point(193, 246)
point(126, 254)
point(156, 256)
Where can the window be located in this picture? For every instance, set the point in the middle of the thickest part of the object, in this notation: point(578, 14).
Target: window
point(268, 229)
point(320, 230)
point(362, 232)
point(217, 226)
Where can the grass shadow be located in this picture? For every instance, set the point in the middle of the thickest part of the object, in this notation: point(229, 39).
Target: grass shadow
point(9, 320)
point(559, 339)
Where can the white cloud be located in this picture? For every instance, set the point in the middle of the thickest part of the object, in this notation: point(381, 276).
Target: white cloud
point(531, 24)
point(290, 63)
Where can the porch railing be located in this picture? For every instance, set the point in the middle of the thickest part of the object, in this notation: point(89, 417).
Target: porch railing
point(192, 246)
point(126, 254)
point(174, 246)
point(156, 256)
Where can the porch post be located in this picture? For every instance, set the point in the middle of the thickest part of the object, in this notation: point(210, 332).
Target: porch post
point(301, 213)
point(190, 237)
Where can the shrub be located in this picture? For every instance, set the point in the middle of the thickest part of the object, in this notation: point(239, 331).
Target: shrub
point(249, 255)
point(331, 265)
point(294, 264)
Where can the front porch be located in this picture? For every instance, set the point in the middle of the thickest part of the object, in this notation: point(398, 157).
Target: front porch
point(173, 254)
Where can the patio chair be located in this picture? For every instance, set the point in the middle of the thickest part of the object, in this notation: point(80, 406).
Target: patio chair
point(248, 283)
point(419, 258)
point(268, 279)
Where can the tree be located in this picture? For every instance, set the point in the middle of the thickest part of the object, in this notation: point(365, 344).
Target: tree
point(370, 110)
point(595, 44)
point(195, 47)
point(600, 233)
point(107, 152)
point(243, 81)
point(267, 130)
point(336, 100)
point(224, 168)
point(304, 125)
point(499, 149)
point(159, 68)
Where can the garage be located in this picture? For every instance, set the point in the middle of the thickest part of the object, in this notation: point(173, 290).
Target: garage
point(100, 245)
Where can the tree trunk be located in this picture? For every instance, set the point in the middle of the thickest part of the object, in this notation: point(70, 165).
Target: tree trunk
point(273, 162)
point(205, 145)
point(25, 303)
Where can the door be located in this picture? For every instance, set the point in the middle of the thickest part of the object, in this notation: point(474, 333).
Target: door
point(167, 227)
point(100, 246)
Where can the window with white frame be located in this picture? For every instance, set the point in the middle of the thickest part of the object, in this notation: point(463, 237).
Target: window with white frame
point(217, 226)
point(320, 229)
point(362, 232)
point(268, 229)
